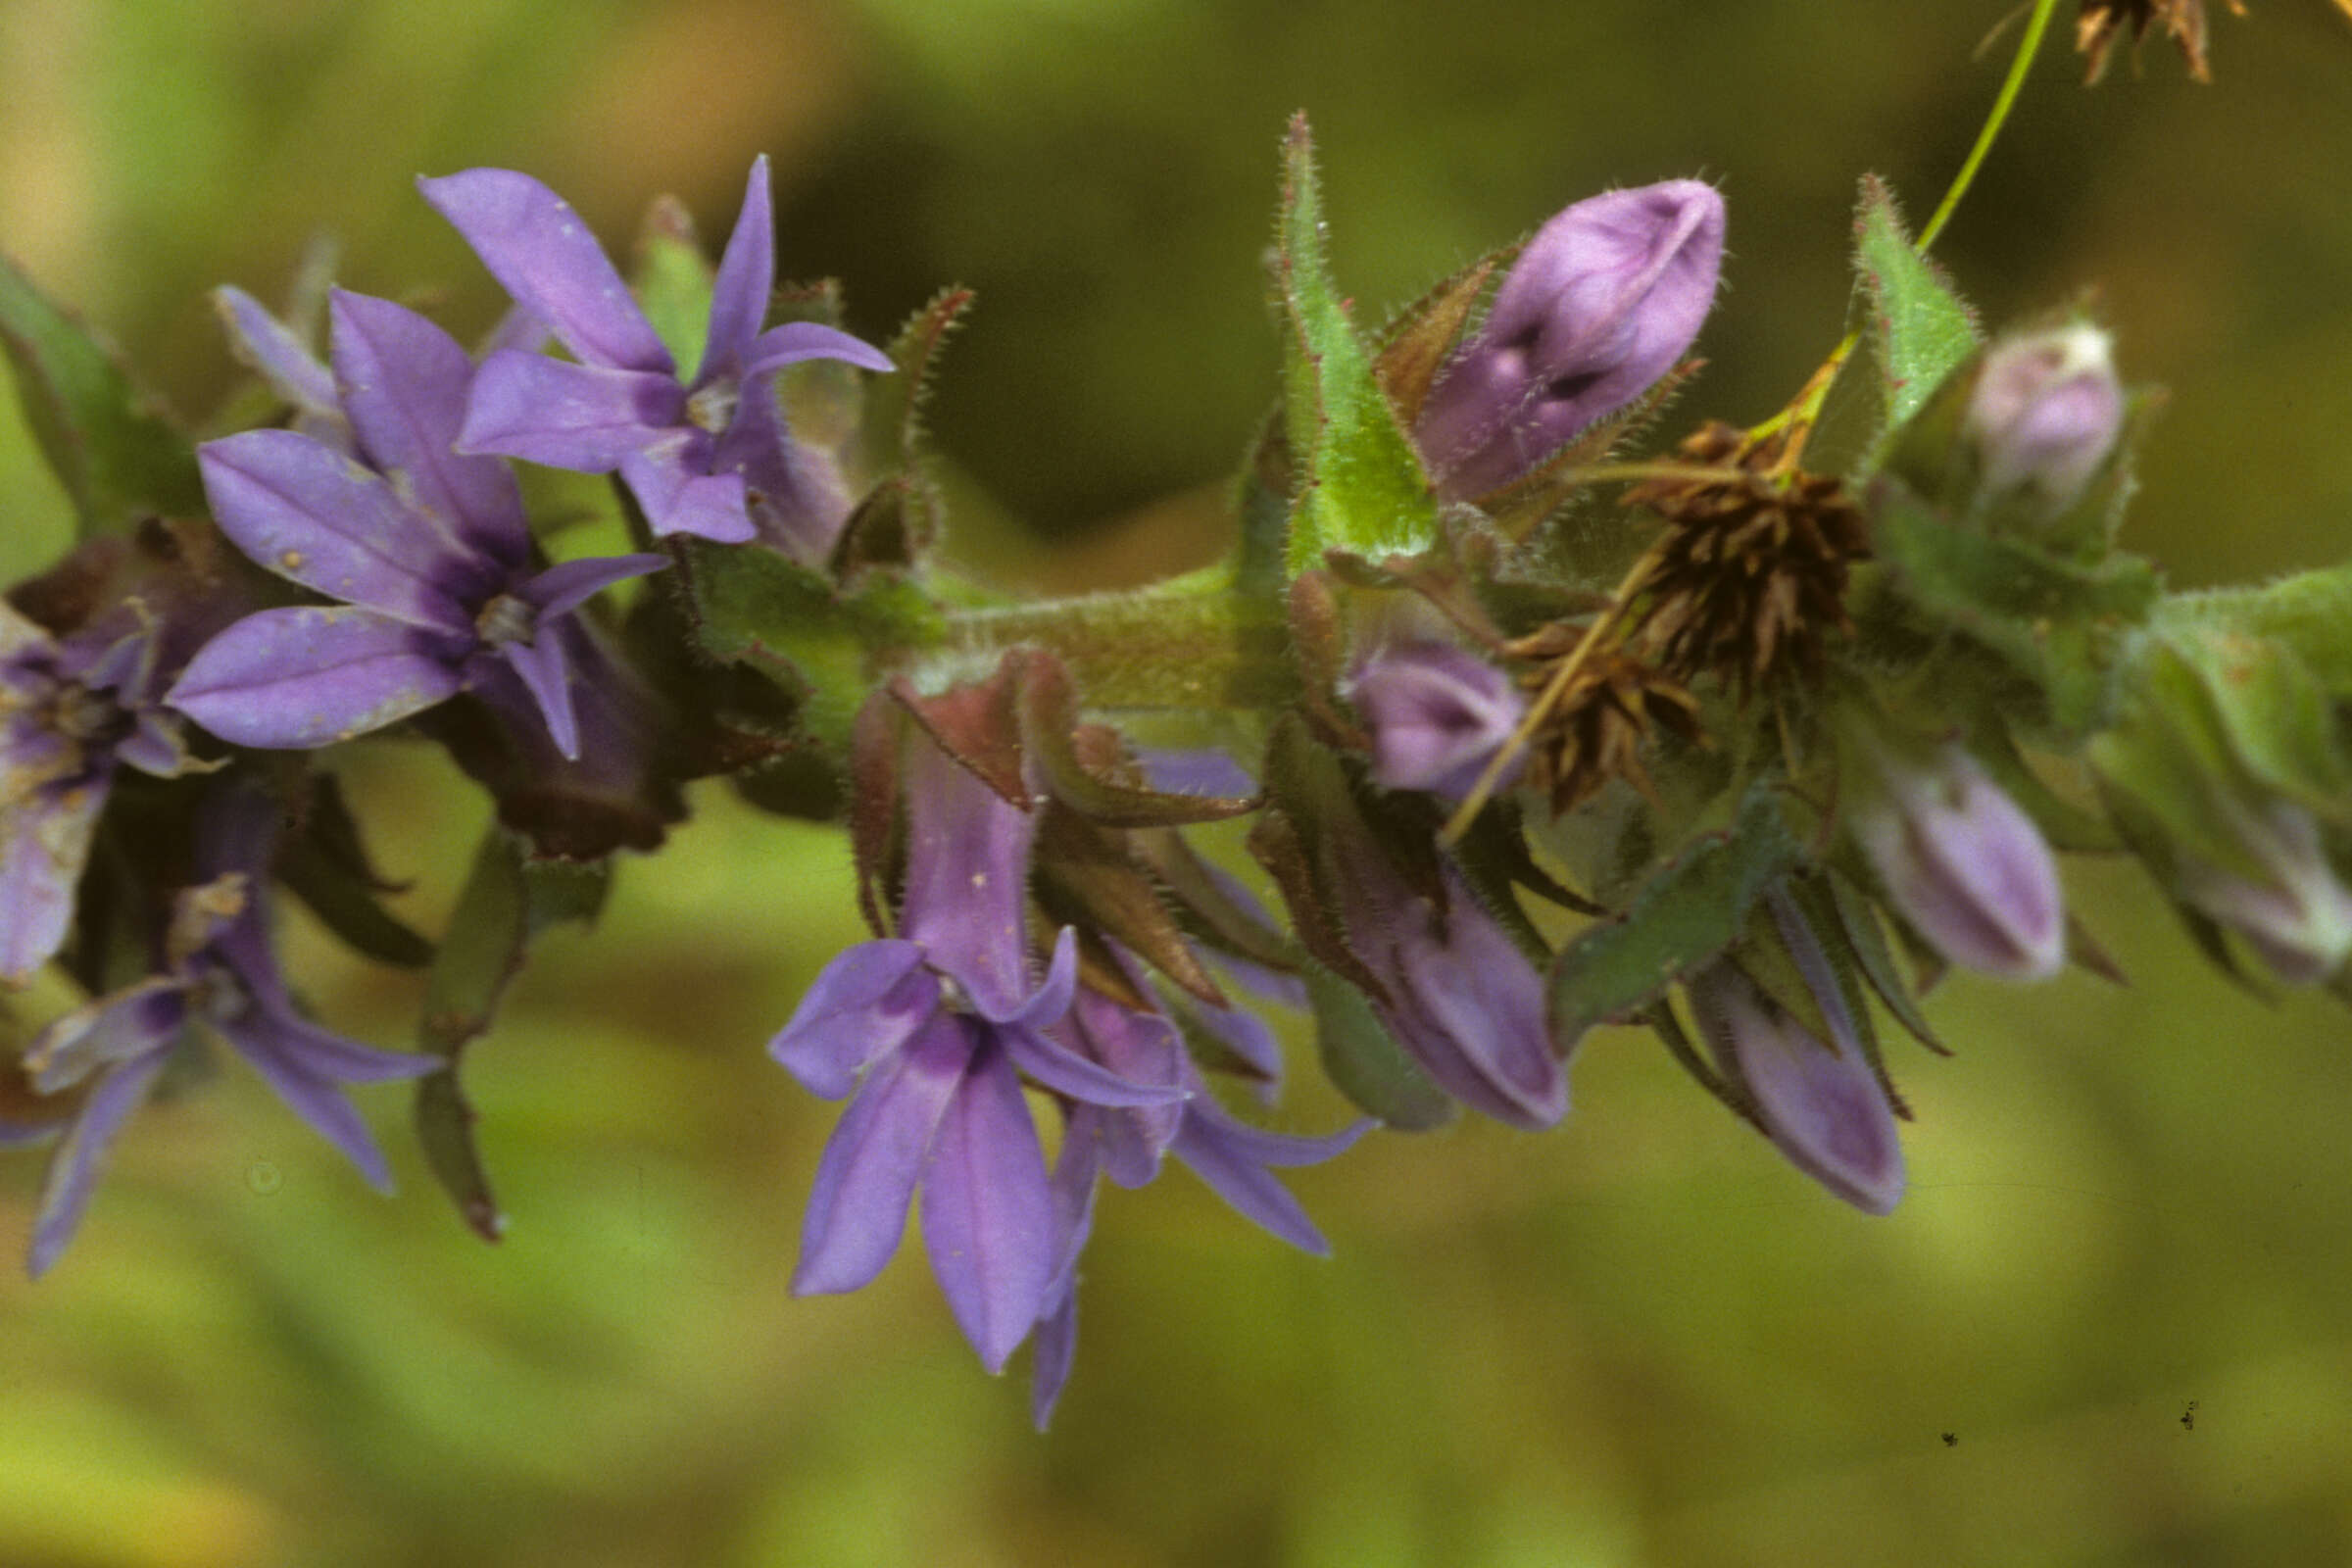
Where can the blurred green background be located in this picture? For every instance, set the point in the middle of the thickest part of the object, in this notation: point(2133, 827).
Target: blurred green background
point(2112, 1323)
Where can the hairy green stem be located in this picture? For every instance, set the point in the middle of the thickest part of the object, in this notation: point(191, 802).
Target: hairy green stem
point(1143, 650)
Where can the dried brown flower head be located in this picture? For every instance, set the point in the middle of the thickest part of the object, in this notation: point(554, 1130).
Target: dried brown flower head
point(1601, 721)
point(1750, 580)
point(2101, 23)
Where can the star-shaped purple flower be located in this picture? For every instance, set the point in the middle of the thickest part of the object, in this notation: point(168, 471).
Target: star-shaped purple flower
point(707, 455)
point(216, 967)
point(427, 549)
point(72, 709)
point(933, 1029)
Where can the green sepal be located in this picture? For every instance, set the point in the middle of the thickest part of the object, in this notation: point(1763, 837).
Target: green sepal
point(2310, 612)
point(1687, 913)
point(815, 641)
point(1919, 328)
point(325, 866)
point(1365, 1062)
point(1358, 483)
point(1866, 940)
point(509, 899)
point(112, 450)
point(2057, 621)
point(673, 282)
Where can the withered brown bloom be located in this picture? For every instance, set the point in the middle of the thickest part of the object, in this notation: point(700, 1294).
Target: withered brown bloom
point(2101, 23)
point(1750, 580)
point(1601, 721)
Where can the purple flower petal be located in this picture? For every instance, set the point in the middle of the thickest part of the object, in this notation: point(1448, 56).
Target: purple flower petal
point(1071, 1075)
point(261, 341)
point(313, 516)
point(747, 277)
point(874, 1158)
point(73, 1166)
point(1232, 1160)
point(294, 1058)
point(866, 1003)
point(1436, 713)
point(586, 418)
point(563, 588)
point(157, 746)
point(44, 843)
point(987, 1212)
point(795, 341)
point(1965, 866)
point(547, 676)
point(289, 680)
point(112, 1029)
point(676, 500)
point(967, 882)
point(536, 246)
point(403, 383)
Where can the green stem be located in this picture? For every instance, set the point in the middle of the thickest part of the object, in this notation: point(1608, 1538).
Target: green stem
point(2027, 48)
point(1142, 649)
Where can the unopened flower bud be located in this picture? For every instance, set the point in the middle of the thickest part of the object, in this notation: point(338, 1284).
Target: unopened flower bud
point(1963, 864)
point(2298, 915)
point(1437, 713)
point(1820, 1101)
point(2045, 413)
point(1603, 301)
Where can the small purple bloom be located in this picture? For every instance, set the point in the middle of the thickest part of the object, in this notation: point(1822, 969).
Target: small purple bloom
point(1461, 997)
point(1820, 1101)
point(933, 1031)
point(428, 549)
point(2298, 914)
point(71, 710)
point(707, 455)
point(216, 967)
point(1437, 713)
point(1963, 864)
point(2045, 413)
point(1602, 302)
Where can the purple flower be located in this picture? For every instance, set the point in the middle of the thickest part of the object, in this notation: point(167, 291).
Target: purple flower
point(1437, 715)
point(2295, 911)
point(72, 709)
point(216, 969)
point(1602, 302)
point(1820, 1101)
point(1963, 864)
point(706, 456)
point(1459, 995)
point(426, 549)
point(933, 1030)
point(2045, 413)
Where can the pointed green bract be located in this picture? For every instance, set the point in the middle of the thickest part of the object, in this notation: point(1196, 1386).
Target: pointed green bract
point(1365, 1062)
point(510, 899)
point(1687, 913)
point(117, 456)
point(1919, 327)
point(1359, 486)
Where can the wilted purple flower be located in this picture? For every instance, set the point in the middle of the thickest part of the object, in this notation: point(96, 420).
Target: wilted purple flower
point(72, 709)
point(1963, 864)
point(1820, 1101)
point(2297, 914)
point(2045, 413)
point(427, 549)
point(933, 1029)
point(1460, 996)
point(215, 968)
point(1437, 713)
point(1601, 302)
point(706, 456)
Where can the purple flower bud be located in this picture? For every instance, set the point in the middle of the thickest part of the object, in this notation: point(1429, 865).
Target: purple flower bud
point(1603, 301)
point(2046, 414)
point(2297, 914)
point(1437, 713)
point(1963, 865)
point(1820, 1103)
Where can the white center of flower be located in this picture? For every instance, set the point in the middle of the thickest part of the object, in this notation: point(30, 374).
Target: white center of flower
point(506, 619)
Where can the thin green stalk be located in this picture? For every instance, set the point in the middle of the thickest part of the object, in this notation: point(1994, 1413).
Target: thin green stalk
point(2028, 47)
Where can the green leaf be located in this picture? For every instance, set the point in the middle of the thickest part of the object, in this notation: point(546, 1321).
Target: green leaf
point(1687, 913)
point(1918, 327)
point(2058, 620)
point(106, 439)
point(755, 608)
point(1359, 483)
point(1364, 1060)
point(674, 281)
point(2311, 613)
point(2278, 720)
point(509, 899)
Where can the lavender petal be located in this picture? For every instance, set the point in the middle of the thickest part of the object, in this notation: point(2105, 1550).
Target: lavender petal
point(565, 587)
point(987, 1210)
point(586, 418)
point(295, 679)
point(867, 1174)
point(747, 277)
point(74, 1165)
point(676, 500)
point(868, 1002)
point(546, 675)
